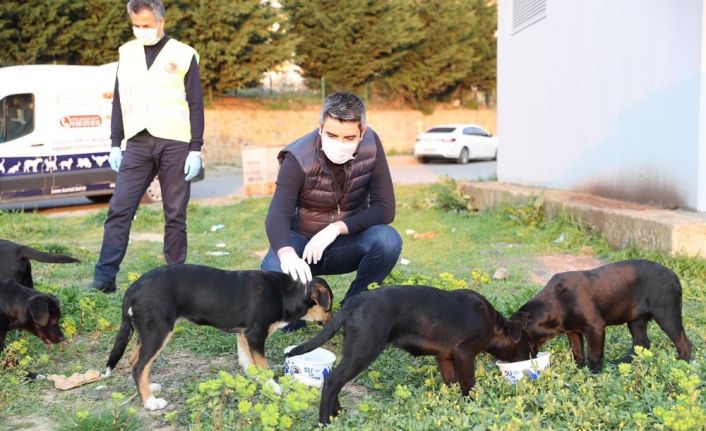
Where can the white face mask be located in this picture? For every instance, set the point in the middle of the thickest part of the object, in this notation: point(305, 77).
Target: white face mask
point(148, 36)
point(338, 152)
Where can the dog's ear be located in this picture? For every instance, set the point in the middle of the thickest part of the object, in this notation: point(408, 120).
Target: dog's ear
point(39, 310)
point(514, 330)
point(557, 282)
point(320, 292)
point(523, 318)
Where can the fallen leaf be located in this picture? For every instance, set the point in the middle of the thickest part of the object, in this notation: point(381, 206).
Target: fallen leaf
point(425, 235)
point(75, 380)
point(501, 274)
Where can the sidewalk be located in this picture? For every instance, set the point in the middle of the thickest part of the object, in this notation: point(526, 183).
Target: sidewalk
point(621, 223)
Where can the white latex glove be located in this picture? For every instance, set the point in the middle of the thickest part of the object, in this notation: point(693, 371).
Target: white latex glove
point(317, 244)
point(294, 265)
point(114, 158)
point(192, 166)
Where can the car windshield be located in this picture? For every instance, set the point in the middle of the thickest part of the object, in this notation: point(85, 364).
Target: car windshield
point(441, 130)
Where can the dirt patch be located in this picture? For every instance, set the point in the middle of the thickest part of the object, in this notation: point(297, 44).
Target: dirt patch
point(355, 392)
point(29, 423)
point(176, 371)
point(145, 236)
point(549, 265)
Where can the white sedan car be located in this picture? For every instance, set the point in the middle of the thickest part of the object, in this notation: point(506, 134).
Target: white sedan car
point(460, 142)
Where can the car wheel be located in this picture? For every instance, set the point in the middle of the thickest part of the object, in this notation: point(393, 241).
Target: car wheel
point(495, 155)
point(100, 199)
point(421, 159)
point(463, 157)
point(153, 193)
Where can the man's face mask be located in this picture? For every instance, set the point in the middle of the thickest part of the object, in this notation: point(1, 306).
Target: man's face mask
point(148, 36)
point(336, 151)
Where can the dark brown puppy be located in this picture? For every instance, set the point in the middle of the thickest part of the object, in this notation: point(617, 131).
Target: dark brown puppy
point(15, 265)
point(582, 303)
point(454, 326)
point(253, 304)
point(26, 309)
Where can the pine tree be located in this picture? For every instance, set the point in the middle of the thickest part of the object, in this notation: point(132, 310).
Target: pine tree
point(483, 74)
point(354, 42)
point(237, 41)
point(39, 31)
point(103, 27)
point(448, 53)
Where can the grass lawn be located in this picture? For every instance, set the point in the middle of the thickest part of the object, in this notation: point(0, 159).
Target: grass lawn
point(207, 390)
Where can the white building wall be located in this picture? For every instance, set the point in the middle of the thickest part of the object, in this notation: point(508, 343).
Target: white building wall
point(603, 96)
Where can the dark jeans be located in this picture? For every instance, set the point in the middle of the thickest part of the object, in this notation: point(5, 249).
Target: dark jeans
point(372, 252)
point(144, 157)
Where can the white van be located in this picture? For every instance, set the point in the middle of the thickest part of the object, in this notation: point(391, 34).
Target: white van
point(55, 133)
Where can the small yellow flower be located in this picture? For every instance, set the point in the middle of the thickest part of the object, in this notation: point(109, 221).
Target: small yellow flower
point(625, 369)
point(103, 324)
point(244, 406)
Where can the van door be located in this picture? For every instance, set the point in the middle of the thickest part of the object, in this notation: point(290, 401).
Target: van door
point(26, 168)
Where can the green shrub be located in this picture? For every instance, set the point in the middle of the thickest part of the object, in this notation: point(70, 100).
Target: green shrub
point(449, 196)
point(531, 214)
point(655, 392)
point(118, 418)
point(247, 402)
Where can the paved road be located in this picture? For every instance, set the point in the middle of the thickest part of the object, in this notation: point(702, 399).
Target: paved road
point(406, 170)
point(222, 181)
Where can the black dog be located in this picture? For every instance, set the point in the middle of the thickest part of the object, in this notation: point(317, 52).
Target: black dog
point(453, 325)
point(32, 311)
point(15, 265)
point(253, 304)
point(583, 303)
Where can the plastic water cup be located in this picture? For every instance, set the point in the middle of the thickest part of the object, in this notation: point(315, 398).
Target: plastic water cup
point(531, 368)
point(311, 368)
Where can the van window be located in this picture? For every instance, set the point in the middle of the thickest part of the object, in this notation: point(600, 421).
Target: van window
point(16, 117)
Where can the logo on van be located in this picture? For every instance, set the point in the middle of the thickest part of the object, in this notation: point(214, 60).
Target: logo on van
point(80, 121)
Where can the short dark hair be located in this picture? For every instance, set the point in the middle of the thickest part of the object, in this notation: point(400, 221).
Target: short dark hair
point(156, 6)
point(345, 107)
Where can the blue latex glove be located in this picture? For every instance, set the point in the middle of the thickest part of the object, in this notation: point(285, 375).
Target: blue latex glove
point(192, 165)
point(115, 157)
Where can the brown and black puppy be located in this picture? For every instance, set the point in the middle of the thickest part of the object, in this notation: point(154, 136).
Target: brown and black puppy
point(15, 265)
point(582, 303)
point(454, 326)
point(26, 309)
point(252, 304)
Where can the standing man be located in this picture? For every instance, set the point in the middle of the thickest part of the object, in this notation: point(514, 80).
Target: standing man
point(333, 202)
point(158, 108)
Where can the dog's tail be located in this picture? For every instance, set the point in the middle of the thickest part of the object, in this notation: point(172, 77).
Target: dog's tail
point(326, 334)
point(121, 341)
point(31, 253)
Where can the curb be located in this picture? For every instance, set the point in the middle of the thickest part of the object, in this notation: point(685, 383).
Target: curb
point(621, 223)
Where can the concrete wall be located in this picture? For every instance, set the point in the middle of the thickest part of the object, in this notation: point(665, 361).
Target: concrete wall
point(604, 96)
point(228, 129)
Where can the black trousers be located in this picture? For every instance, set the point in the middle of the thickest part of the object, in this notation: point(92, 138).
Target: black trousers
point(144, 157)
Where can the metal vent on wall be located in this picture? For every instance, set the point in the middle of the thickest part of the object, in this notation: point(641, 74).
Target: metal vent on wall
point(525, 13)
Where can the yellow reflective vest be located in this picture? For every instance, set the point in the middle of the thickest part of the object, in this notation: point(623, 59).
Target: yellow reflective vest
point(155, 98)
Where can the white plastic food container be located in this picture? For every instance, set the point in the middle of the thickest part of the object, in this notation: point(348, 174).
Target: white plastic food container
point(531, 368)
point(310, 368)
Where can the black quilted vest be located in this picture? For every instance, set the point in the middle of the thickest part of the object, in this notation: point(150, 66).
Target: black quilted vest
point(321, 201)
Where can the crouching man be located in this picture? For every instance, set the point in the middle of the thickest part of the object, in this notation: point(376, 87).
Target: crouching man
point(333, 202)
